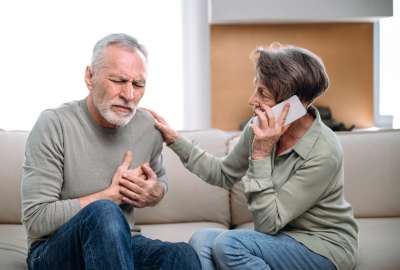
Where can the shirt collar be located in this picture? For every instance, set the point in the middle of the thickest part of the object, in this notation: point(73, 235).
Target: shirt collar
point(306, 143)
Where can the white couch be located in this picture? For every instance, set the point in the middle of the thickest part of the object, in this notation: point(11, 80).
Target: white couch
point(372, 183)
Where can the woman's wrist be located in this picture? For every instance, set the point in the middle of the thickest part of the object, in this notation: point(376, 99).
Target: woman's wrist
point(171, 139)
point(261, 150)
point(258, 156)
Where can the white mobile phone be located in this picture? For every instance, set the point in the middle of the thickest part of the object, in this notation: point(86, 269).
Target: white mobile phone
point(296, 110)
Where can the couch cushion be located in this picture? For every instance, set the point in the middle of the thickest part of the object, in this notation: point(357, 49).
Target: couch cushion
point(189, 199)
point(379, 244)
point(13, 249)
point(176, 232)
point(12, 145)
point(372, 172)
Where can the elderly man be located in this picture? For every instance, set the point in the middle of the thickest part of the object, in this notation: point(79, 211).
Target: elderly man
point(78, 196)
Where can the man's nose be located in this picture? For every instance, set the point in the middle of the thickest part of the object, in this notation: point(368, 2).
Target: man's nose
point(128, 92)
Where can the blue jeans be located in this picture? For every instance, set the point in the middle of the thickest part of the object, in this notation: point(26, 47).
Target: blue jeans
point(99, 237)
point(248, 249)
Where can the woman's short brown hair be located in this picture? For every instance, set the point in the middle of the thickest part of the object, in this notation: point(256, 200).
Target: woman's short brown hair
point(290, 70)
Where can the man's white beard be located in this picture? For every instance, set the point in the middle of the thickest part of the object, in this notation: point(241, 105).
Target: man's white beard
point(114, 118)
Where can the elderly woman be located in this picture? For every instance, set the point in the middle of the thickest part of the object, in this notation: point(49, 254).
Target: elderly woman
point(292, 176)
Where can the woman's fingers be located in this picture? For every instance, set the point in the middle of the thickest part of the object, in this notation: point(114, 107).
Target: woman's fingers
point(262, 117)
point(256, 130)
point(168, 133)
point(165, 130)
point(270, 115)
point(156, 116)
point(284, 113)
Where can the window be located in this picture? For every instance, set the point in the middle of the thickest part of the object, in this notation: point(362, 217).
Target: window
point(387, 109)
point(46, 46)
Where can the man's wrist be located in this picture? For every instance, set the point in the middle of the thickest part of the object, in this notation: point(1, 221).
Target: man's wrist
point(86, 200)
point(160, 190)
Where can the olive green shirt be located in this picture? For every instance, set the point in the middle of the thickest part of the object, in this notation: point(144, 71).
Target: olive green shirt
point(299, 193)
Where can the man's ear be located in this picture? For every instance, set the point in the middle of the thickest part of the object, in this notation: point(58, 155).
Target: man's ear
point(89, 77)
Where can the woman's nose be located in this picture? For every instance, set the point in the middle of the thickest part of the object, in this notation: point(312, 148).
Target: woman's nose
point(252, 99)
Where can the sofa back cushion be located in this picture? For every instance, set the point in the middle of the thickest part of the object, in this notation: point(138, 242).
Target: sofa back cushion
point(12, 147)
point(189, 199)
point(372, 172)
point(372, 175)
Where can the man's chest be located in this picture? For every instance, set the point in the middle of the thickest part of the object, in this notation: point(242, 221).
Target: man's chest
point(89, 165)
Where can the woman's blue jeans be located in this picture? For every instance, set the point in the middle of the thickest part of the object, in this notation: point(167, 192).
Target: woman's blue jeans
point(248, 249)
point(99, 237)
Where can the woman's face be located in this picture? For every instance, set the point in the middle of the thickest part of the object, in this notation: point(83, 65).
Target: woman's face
point(261, 95)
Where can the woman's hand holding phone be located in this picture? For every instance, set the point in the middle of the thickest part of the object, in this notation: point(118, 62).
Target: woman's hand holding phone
point(269, 124)
point(268, 130)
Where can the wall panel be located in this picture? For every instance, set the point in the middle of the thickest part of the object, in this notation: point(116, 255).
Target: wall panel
point(346, 49)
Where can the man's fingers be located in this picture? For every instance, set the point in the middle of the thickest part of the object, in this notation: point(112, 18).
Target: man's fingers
point(132, 173)
point(126, 162)
point(138, 181)
point(123, 167)
point(132, 186)
point(126, 200)
point(129, 194)
point(148, 171)
point(135, 203)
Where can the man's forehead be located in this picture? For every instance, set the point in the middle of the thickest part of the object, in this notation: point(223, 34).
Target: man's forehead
point(124, 62)
point(113, 49)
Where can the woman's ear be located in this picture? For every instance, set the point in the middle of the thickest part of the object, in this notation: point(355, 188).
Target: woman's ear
point(89, 77)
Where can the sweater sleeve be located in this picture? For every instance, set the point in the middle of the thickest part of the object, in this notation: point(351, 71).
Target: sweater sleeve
point(42, 179)
point(157, 164)
point(274, 209)
point(222, 172)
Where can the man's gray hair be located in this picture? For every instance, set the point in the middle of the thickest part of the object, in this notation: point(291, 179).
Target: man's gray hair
point(122, 40)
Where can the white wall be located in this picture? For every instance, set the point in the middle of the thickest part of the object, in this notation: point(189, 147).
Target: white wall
point(196, 65)
point(46, 45)
point(198, 15)
point(261, 11)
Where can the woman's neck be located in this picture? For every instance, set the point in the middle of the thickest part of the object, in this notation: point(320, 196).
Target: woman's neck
point(294, 133)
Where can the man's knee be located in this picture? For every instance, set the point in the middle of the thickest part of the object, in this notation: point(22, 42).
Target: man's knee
point(183, 249)
point(186, 253)
point(106, 217)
